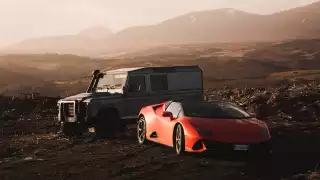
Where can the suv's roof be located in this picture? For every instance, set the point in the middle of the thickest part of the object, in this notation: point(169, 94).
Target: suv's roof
point(123, 70)
point(162, 69)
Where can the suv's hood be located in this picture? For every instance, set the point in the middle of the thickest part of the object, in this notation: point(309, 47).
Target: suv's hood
point(86, 96)
point(78, 96)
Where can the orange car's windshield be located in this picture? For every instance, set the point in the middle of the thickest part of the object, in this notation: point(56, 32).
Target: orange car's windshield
point(214, 110)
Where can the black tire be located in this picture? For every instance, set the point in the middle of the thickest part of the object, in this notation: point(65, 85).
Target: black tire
point(141, 130)
point(72, 129)
point(107, 124)
point(179, 140)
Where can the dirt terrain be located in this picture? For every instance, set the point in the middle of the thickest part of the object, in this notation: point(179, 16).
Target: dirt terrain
point(31, 146)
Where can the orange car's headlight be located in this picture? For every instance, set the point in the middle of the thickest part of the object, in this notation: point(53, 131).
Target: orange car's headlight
point(264, 132)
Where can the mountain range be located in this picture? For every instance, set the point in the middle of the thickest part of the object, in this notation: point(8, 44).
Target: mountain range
point(210, 26)
point(86, 42)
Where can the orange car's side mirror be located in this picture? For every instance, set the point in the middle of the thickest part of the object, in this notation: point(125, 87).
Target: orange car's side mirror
point(167, 114)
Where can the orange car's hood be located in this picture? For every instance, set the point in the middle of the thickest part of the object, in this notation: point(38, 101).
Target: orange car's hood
point(232, 130)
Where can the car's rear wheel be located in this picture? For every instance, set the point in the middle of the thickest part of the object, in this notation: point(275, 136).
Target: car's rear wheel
point(179, 141)
point(141, 130)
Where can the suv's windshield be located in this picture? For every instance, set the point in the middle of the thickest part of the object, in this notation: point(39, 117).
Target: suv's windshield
point(213, 110)
point(111, 82)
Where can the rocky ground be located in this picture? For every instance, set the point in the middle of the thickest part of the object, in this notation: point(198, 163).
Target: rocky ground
point(31, 146)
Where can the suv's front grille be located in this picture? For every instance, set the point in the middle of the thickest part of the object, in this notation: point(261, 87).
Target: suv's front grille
point(68, 109)
point(84, 109)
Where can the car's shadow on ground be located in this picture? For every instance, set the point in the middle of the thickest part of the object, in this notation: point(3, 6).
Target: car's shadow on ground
point(293, 153)
point(275, 166)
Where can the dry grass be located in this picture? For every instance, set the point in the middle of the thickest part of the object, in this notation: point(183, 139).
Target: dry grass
point(250, 64)
point(306, 74)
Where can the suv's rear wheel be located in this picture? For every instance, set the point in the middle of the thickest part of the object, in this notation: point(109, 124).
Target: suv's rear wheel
point(107, 124)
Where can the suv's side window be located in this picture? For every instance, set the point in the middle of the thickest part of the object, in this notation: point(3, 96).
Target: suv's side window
point(137, 84)
point(174, 108)
point(159, 82)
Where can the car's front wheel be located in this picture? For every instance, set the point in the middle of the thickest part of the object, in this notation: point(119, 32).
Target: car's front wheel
point(141, 130)
point(179, 141)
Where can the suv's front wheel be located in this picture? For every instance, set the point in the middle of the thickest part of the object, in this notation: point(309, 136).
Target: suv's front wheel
point(107, 124)
point(72, 129)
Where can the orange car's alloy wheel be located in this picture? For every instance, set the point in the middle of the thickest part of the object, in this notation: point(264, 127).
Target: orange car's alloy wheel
point(179, 140)
point(141, 130)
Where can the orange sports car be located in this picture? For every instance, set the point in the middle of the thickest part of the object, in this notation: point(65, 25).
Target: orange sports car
point(201, 126)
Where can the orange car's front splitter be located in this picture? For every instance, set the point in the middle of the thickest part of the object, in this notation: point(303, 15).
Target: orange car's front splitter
point(194, 144)
point(199, 144)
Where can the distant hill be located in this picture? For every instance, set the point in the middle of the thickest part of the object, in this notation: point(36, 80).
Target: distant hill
point(233, 61)
point(303, 50)
point(9, 78)
point(86, 43)
point(50, 67)
point(211, 26)
point(43, 72)
point(301, 22)
point(223, 25)
point(97, 33)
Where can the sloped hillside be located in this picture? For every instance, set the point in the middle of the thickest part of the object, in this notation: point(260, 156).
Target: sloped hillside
point(50, 66)
point(222, 25)
point(40, 73)
point(88, 42)
point(210, 26)
point(242, 64)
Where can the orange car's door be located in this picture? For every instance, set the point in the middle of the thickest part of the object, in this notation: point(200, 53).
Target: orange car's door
point(163, 129)
point(166, 124)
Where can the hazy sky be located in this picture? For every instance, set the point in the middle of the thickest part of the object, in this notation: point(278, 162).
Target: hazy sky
point(21, 19)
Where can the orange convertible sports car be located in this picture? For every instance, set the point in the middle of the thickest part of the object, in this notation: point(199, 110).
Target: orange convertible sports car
point(202, 126)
